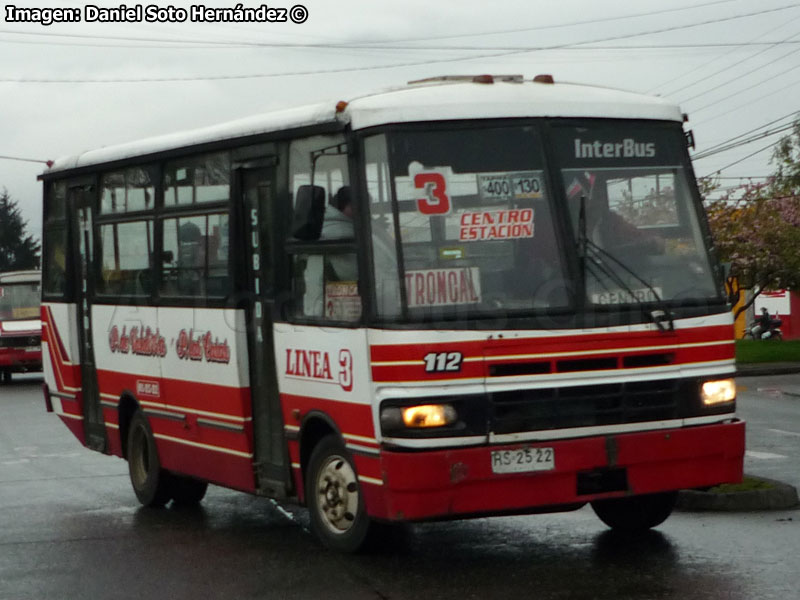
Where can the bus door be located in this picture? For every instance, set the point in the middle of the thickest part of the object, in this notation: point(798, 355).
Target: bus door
point(256, 181)
point(82, 209)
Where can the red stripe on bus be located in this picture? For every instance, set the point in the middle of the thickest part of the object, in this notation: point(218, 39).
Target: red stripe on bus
point(547, 365)
point(550, 344)
point(67, 375)
point(47, 318)
point(220, 400)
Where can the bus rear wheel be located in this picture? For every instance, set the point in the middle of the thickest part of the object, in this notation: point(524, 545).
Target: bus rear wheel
point(334, 499)
point(150, 482)
point(636, 513)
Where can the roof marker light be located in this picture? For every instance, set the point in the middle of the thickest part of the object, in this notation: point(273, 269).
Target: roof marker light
point(483, 79)
point(543, 79)
point(340, 106)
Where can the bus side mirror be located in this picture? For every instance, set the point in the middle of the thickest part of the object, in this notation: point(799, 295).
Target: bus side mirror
point(167, 256)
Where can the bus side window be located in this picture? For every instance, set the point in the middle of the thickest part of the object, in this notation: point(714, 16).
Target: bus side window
point(196, 256)
point(309, 212)
point(54, 251)
point(325, 274)
point(326, 286)
point(126, 250)
point(54, 264)
point(325, 281)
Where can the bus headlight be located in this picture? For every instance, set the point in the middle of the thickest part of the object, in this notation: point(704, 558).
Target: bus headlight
point(718, 392)
point(418, 417)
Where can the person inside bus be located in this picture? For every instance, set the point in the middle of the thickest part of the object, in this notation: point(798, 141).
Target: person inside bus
point(606, 228)
point(191, 258)
point(338, 222)
point(339, 225)
point(332, 267)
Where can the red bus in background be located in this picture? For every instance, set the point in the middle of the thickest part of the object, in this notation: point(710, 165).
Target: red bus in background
point(467, 296)
point(20, 325)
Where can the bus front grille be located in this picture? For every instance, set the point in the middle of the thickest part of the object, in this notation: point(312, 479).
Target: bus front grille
point(585, 406)
point(19, 341)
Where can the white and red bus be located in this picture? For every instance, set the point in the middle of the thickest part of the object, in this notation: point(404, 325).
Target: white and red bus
point(20, 327)
point(463, 297)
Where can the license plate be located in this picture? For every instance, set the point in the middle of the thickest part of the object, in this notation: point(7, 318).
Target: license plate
point(33, 349)
point(523, 460)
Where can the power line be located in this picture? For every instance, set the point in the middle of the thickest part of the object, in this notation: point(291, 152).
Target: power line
point(395, 45)
point(740, 143)
point(397, 65)
point(359, 46)
point(741, 76)
point(736, 64)
point(747, 104)
point(786, 116)
point(370, 43)
point(33, 160)
point(736, 162)
point(750, 86)
point(564, 25)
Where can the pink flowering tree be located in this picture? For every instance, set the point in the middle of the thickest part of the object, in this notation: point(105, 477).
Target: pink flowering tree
point(756, 227)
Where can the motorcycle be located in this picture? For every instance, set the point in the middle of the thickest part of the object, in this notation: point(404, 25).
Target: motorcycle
point(757, 330)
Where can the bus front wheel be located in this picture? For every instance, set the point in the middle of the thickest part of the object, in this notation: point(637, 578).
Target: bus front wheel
point(150, 482)
point(636, 513)
point(334, 499)
point(187, 491)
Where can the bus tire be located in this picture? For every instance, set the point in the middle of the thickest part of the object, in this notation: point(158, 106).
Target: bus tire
point(334, 499)
point(636, 513)
point(150, 482)
point(187, 491)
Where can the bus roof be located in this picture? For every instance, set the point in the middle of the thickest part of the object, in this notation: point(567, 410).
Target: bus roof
point(436, 99)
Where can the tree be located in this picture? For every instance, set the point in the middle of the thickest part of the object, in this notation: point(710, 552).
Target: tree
point(786, 156)
point(756, 227)
point(18, 250)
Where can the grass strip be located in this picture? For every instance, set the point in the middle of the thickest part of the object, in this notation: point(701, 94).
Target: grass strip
point(766, 351)
point(748, 484)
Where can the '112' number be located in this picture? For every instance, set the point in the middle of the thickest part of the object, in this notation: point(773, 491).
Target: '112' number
point(439, 362)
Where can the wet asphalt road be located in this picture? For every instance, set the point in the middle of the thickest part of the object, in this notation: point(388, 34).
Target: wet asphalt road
point(70, 527)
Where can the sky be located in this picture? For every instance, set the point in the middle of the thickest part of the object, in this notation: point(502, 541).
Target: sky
point(732, 65)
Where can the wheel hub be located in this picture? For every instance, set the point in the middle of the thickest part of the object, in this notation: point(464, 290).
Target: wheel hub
point(338, 494)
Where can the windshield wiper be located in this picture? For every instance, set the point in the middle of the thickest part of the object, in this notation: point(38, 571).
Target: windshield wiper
point(588, 250)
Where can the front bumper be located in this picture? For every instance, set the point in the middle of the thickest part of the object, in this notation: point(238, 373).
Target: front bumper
point(460, 482)
point(21, 358)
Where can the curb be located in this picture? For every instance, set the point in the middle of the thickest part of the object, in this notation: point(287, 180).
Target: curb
point(757, 370)
point(781, 496)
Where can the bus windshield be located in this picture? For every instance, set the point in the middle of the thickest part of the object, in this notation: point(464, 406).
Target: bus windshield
point(19, 301)
point(475, 222)
point(640, 235)
point(478, 221)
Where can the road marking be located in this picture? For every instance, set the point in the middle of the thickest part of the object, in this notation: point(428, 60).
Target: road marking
point(772, 391)
point(763, 455)
point(782, 432)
